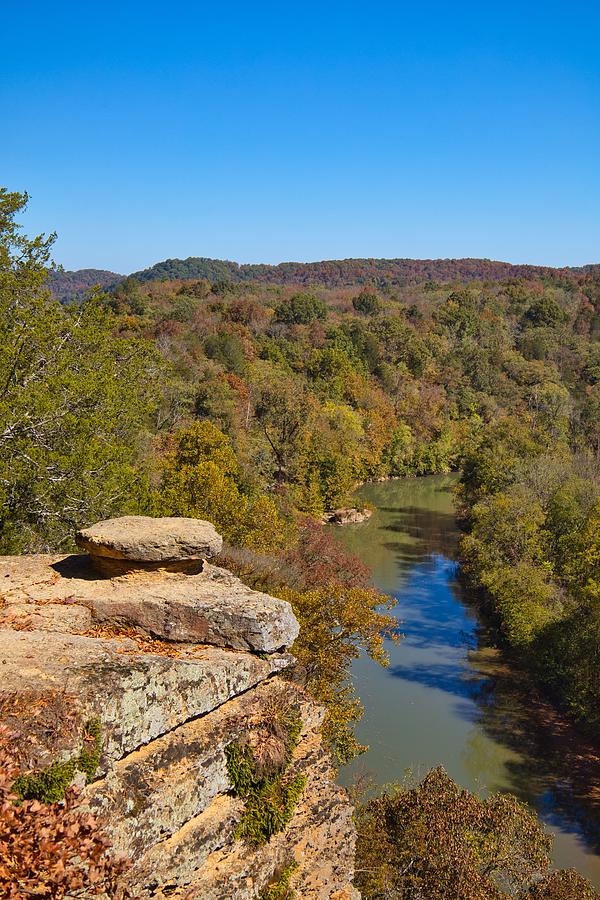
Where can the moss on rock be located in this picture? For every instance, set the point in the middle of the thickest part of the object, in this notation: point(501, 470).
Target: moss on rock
point(269, 810)
point(50, 784)
point(279, 888)
point(270, 796)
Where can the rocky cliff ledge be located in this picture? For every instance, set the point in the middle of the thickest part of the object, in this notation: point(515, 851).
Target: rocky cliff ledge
point(153, 680)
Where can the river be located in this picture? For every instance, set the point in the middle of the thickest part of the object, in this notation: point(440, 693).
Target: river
point(448, 697)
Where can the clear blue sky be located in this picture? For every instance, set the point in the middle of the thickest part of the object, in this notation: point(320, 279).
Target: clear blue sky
point(303, 131)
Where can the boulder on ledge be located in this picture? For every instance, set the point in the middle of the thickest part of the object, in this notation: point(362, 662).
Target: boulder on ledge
point(179, 599)
point(117, 546)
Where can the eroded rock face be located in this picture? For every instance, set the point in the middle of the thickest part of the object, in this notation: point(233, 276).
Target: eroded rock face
point(166, 666)
point(320, 838)
point(175, 778)
point(135, 696)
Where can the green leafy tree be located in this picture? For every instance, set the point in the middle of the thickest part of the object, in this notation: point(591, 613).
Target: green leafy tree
point(226, 349)
point(566, 660)
point(367, 302)
point(533, 546)
point(200, 479)
point(300, 309)
point(74, 398)
point(324, 478)
point(331, 370)
point(590, 419)
point(491, 464)
point(282, 412)
point(582, 559)
point(459, 315)
point(544, 311)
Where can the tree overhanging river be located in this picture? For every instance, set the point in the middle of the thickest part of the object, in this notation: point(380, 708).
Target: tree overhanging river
point(448, 696)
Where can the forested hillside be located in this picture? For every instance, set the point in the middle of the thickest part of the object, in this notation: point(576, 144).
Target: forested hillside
point(318, 390)
point(69, 286)
point(347, 272)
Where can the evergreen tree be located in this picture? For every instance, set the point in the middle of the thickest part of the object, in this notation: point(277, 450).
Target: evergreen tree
point(73, 398)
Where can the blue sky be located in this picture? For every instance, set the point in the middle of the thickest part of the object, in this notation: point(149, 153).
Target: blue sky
point(264, 132)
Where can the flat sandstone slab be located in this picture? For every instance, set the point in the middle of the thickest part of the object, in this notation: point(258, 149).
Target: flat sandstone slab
point(150, 540)
point(202, 609)
point(211, 607)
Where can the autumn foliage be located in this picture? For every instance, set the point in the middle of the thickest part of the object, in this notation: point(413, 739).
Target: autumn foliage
point(437, 841)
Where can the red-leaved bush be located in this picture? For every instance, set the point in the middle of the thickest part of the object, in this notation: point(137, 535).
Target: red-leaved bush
point(51, 850)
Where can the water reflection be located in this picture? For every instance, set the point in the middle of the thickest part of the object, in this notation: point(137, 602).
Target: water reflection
point(553, 767)
point(448, 697)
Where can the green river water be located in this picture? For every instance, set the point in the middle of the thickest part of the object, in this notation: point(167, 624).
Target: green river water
point(448, 697)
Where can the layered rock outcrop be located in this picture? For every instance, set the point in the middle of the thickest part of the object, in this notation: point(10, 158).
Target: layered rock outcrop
point(161, 691)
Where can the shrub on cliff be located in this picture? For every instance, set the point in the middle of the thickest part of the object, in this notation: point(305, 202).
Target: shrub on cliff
point(337, 623)
point(52, 850)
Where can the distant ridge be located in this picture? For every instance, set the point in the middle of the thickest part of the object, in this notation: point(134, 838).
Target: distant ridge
point(347, 272)
point(328, 273)
point(69, 286)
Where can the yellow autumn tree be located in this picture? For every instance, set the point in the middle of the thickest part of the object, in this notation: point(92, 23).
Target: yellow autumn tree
point(201, 479)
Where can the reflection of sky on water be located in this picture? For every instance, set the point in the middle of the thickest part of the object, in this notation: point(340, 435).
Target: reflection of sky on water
point(432, 705)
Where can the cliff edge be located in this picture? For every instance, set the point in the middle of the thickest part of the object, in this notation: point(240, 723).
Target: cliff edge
point(155, 681)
